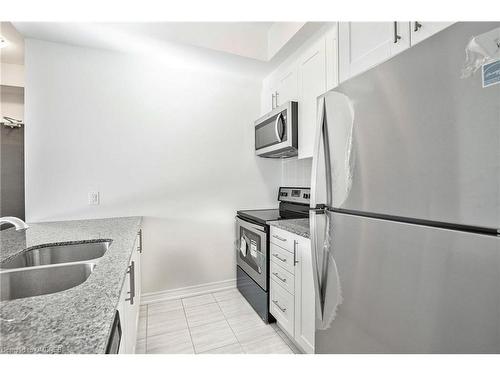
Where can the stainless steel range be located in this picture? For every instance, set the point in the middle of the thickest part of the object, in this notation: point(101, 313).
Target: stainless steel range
point(252, 245)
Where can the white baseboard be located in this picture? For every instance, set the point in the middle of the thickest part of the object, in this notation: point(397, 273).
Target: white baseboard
point(189, 291)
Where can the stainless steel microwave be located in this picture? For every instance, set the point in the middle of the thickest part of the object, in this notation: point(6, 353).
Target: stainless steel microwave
point(276, 132)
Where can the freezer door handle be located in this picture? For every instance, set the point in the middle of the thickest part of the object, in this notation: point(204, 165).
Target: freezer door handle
point(321, 165)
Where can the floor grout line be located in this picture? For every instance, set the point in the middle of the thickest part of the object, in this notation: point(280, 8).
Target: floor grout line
point(225, 346)
point(189, 329)
point(231, 328)
point(201, 304)
point(275, 327)
point(167, 332)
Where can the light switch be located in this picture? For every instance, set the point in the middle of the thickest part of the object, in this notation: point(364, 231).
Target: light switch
point(93, 198)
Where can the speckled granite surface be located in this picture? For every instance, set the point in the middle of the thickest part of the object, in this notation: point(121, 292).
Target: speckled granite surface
point(79, 319)
point(297, 226)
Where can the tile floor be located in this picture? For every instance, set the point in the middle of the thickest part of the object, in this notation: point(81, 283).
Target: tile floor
point(212, 323)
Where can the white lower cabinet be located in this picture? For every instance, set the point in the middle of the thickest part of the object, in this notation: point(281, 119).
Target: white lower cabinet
point(282, 307)
point(283, 278)
point(292, 288)
point(304, 297)
point(130, 299)
point(122, 311)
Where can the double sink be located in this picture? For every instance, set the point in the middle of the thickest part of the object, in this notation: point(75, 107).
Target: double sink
point(49, 269)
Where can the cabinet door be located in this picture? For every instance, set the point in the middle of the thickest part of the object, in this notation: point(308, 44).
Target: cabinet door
point(281, 306)
point(312, 83)
point(138, 278)
point(267, 99)
point(363, 45)
point(304, 297)
point(131, 305)
point(123, 312)
point(287, 86)
point(421, 30)
point(332, 58)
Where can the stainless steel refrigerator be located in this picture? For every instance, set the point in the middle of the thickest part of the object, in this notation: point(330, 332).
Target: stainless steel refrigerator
point(405, 206)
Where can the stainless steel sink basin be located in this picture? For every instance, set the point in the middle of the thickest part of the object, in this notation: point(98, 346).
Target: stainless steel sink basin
point(35, 281)
point(58, 254)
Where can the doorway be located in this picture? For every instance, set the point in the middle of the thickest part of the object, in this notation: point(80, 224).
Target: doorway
point(11, 152)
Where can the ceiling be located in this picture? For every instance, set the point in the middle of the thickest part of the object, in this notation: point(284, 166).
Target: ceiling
point(247, 39)
point(255, 47)
point(13, 53)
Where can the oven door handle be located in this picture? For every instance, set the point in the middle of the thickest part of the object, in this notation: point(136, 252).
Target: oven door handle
point(248, 225)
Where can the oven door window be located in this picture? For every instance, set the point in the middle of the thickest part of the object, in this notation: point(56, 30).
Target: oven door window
point(250, 250)
point(271, 132)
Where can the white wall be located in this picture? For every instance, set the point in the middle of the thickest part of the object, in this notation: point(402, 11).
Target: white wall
point(296, 172)
point(171, 143)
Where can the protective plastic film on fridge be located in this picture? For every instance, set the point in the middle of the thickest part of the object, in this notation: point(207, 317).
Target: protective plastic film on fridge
point(406, 204)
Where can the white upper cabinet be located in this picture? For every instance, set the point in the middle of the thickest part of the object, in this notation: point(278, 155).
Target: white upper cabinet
point(421, 30)
point(332, 58)
point(287, 86)
point(312, 83)
point(267, 98)
point(310, 72)
point(363, 45)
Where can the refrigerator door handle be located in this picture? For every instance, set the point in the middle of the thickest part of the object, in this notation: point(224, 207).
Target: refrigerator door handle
point(328, 294)
point(319, 270)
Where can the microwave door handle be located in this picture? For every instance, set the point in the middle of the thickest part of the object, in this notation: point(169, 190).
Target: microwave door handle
point(276, 125)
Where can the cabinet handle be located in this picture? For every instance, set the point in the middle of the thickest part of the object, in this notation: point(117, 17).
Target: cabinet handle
point(279, 277)
point(273, 101)
point(277, 96)
point(139, 249)
point(418, 25)
point(131, 272)
point(279, 238)
point(295, 261)
point(396, 36)
point(278, 305)
point(277, 256)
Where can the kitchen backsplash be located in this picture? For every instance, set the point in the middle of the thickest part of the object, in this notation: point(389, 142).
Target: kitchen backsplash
point(296, 172)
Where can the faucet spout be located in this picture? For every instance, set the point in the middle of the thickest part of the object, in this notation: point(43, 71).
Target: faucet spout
point(18, 223)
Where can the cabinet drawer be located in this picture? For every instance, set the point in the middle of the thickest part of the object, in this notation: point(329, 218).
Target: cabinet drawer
point(282, 307)
point(282, 277)
point(282, 238)
point(282, 258)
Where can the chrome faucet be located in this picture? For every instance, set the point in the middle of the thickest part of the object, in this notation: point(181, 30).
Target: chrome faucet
point(18, 223)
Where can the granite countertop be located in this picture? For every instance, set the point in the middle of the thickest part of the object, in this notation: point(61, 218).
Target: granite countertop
point(77, 320)
point(297, 226)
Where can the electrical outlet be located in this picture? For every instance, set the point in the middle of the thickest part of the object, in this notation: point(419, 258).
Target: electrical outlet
point(93, 198)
